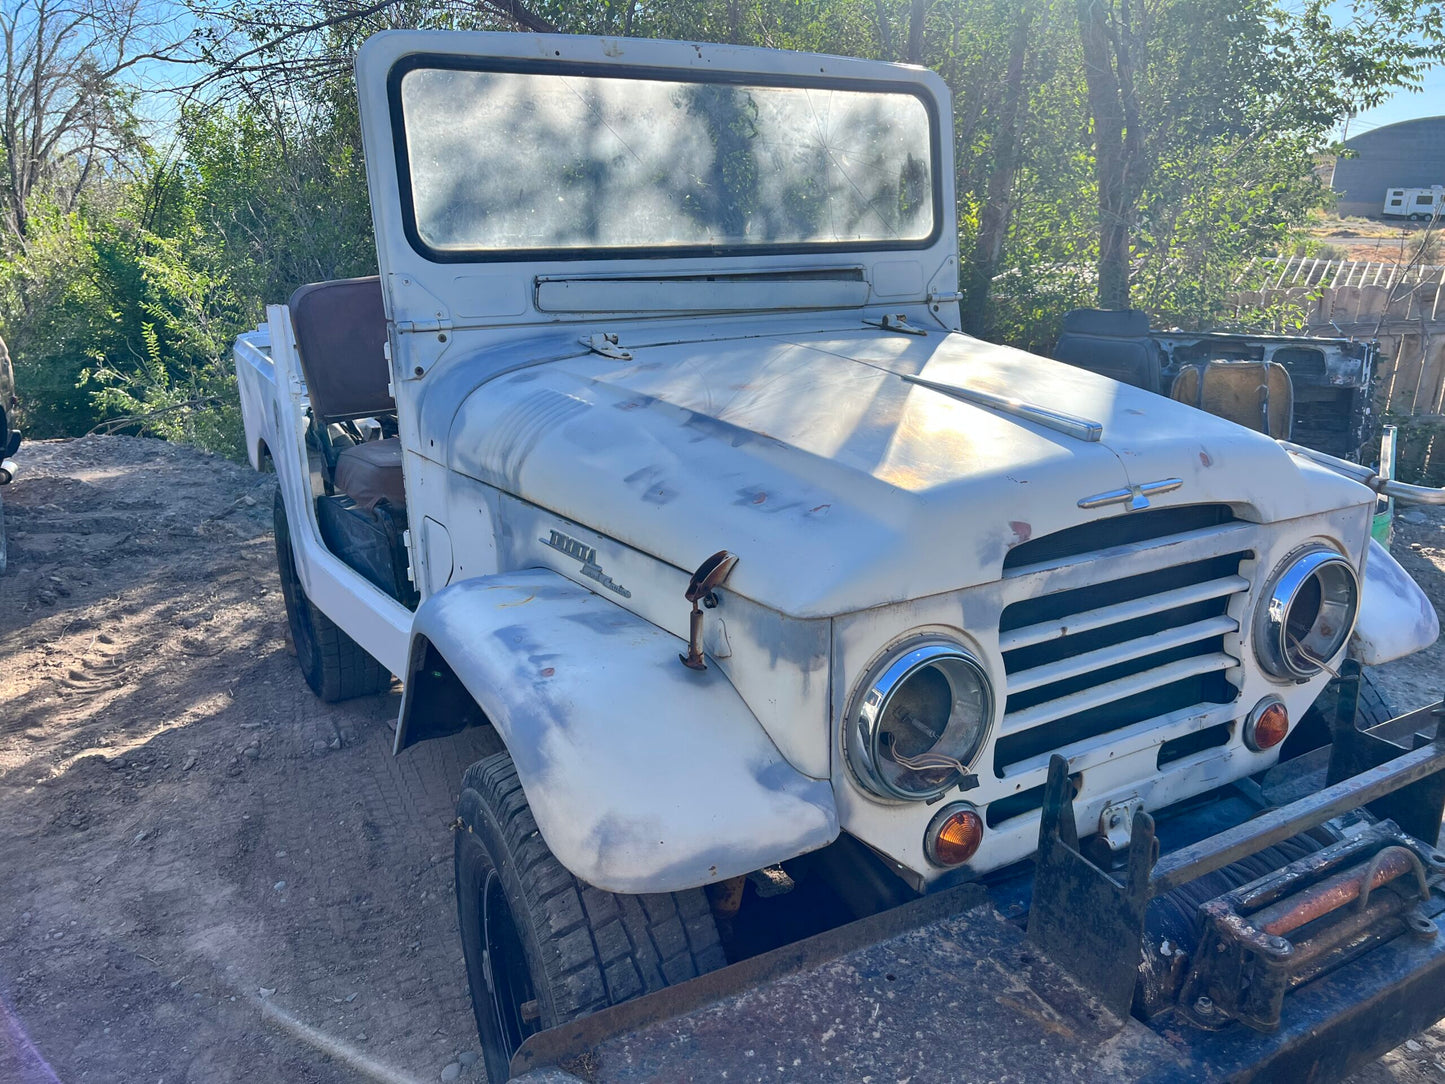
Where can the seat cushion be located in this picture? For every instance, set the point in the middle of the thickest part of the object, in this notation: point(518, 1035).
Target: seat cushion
point(370, 473)
point(1241, 391)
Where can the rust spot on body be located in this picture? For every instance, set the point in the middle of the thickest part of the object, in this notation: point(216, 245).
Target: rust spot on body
point(1022, 531)
point(1206, 458)
point(548, 671)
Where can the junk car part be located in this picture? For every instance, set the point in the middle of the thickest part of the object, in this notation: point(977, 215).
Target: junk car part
point(1307, 614)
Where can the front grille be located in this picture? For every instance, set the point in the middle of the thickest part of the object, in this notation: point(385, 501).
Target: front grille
point(1090, 652)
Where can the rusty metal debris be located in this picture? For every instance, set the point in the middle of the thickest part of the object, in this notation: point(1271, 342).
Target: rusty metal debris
point(1339, 890)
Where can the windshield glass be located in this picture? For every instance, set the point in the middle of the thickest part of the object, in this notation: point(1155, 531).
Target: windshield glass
point(500, 161)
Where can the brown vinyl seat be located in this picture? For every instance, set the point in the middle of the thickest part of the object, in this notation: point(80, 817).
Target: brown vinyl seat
point(1255, 394)
point(370, 473)
point(341, 336)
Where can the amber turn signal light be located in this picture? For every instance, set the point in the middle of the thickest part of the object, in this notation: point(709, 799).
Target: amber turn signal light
point(1267, 725)
point(953, 835)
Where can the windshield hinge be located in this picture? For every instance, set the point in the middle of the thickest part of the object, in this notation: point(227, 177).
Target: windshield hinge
point(439, 326)
point(605, 343)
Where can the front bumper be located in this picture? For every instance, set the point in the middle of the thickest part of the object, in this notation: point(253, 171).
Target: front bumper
point(951, 988)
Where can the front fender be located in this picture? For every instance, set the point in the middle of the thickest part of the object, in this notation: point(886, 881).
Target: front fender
point(1396, 617)
point(643, 775)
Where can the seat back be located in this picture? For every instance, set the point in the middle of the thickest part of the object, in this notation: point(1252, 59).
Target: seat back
point(341, 335)
point(1255, 394)
point(1115, 344)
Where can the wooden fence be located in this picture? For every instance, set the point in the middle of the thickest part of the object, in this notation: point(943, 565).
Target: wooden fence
point(1404, 310)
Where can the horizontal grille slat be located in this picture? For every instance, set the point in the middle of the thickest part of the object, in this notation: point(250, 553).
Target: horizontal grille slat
point(1141, 557)
point(1118, 689)
point(1129, 650)
point(1122, 643)
point(1083, 755)
point(1045, 631)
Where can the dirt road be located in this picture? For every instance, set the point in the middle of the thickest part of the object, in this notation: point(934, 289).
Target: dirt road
point(205, 873)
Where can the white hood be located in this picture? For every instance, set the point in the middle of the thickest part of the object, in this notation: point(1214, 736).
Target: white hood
point(841, 485)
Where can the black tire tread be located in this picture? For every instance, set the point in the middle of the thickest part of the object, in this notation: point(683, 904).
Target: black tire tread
point(1374, 706)
point(345, 670)
point(600, 948)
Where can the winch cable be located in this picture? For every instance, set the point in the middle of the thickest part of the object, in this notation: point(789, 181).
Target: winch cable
point(1171, 928)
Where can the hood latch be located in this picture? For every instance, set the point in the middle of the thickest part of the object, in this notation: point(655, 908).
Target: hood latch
point(709, 575)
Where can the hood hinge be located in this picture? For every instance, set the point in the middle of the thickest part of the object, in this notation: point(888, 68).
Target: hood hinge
point(897, 321)
point(605, 343)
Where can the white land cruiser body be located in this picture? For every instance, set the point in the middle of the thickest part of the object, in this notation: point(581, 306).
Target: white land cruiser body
point(648, 301)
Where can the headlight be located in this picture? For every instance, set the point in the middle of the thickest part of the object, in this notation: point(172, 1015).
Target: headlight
point(919, 723)
point(1307, 614)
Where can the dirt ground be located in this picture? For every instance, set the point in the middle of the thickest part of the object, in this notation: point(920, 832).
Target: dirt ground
point(1369, 239)
point(205, 873)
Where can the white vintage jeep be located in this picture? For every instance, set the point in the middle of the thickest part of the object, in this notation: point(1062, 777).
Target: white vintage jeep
point(657, 449)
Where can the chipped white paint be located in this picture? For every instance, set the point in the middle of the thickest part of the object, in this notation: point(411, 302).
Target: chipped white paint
point(643, 776)
point(868, 478)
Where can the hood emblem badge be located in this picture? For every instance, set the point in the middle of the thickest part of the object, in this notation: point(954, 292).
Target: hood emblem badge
point(1136, 497)
point(581, 551)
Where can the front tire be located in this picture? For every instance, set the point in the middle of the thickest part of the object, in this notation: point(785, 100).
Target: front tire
point(543, 948)
point(333, 664)
point(1313, 730)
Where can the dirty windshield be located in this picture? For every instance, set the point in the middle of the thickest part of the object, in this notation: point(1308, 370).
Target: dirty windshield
point(505, 161)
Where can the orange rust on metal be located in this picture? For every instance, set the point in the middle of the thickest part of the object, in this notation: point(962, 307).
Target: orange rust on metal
point(709, 575)
point(1333, 893)
point(727, 896)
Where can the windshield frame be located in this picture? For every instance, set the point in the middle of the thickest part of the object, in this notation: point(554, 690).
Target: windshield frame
point(515, 65)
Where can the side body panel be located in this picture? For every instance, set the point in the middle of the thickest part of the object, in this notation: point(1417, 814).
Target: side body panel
point(273, 402)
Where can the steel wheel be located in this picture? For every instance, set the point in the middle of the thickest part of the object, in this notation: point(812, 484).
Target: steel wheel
point(514, 1001)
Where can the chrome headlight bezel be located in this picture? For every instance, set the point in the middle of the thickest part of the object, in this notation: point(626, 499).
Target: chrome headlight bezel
point(870, 765)
point(1316, 576)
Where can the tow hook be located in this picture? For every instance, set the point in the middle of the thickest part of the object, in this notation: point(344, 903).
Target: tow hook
point(1116, 821)
point(709, 575)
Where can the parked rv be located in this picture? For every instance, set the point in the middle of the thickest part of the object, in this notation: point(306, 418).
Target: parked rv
point(1416, 204)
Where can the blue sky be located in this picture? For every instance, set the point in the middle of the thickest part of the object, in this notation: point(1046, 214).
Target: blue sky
point(1427, 102)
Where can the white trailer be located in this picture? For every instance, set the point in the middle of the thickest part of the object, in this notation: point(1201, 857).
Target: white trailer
point(1415, 203)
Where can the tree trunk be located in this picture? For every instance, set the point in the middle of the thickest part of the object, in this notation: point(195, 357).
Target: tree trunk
point(917, 11)
point(998, 204)
point(1109, 76)
point(885, 31)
